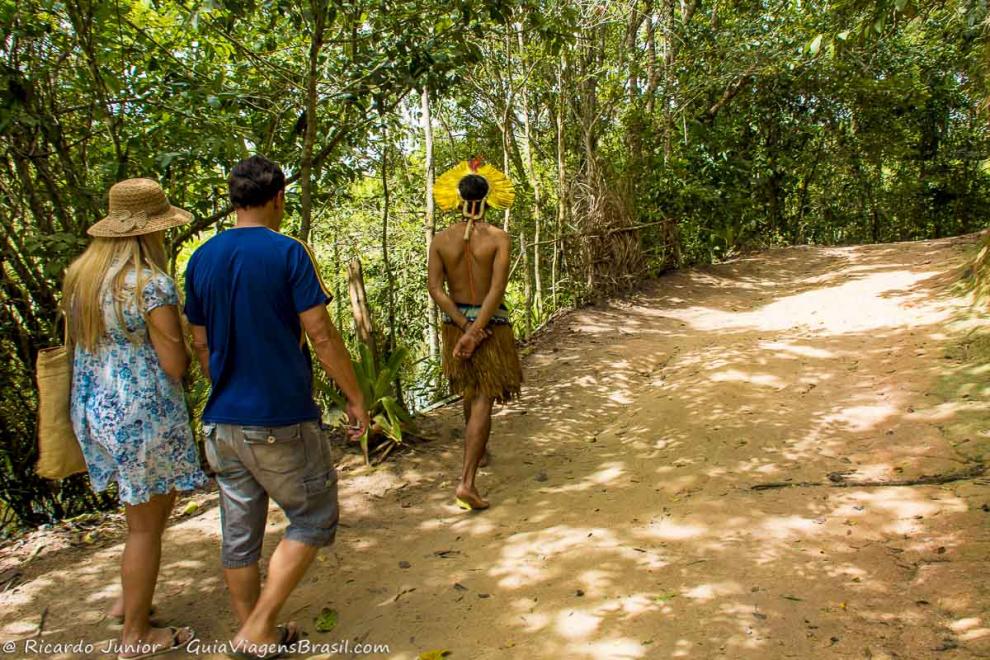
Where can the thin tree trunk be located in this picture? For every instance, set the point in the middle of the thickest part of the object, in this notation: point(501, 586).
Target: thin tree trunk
point(363, 325)
point(527, 282)
point(534, 183)
point(652, 74)
point(389, 277)
point(561, 186)
point(507, 120)
point(669, 55)
point(432, 337)
point(309, 136)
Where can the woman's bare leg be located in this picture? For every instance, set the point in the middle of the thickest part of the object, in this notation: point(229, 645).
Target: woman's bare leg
point(139, 572)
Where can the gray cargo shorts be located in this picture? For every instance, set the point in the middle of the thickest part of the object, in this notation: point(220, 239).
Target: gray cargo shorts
point(290, 464)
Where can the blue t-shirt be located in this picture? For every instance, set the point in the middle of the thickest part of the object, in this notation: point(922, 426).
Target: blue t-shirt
point(247, 286)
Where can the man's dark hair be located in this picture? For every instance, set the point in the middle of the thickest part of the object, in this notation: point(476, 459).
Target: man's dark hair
point(473, 187)
point(254, 182)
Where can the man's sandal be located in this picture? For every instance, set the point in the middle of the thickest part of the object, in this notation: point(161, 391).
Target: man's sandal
point(464, 504)
point(287, 638)
point(175, 646)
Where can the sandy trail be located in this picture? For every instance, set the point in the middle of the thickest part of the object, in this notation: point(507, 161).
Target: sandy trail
point(624, 523)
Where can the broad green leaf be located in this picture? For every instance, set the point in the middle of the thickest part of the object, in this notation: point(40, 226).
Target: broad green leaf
point(326, 621)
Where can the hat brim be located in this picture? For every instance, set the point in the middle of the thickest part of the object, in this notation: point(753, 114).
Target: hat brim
point(174, 217)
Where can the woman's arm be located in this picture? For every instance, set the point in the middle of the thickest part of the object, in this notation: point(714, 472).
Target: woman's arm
point(165, 330)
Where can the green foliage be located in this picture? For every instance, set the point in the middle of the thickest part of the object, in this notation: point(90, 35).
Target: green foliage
point(377, 383)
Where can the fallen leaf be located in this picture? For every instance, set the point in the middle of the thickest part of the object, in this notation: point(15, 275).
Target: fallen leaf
point(434, 655)
point(190, 509)
point(663, 598)
point(326, 621)
point(794, 598)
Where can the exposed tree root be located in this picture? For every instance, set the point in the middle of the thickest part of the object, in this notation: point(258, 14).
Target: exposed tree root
point(838, 480)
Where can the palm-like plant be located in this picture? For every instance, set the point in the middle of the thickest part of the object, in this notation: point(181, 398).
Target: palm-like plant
point(377, 385)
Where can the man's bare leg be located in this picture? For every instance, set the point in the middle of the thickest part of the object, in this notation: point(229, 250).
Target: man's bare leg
point(244, 585)
point(486, 457)
point(476, 433)
point(286, 568)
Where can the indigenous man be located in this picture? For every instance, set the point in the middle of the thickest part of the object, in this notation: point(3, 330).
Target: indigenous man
point(479, 351)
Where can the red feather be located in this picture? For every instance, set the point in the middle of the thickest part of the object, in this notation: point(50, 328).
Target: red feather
point(476, 162)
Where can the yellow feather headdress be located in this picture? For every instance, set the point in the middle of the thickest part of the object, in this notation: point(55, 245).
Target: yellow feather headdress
point(500, 191)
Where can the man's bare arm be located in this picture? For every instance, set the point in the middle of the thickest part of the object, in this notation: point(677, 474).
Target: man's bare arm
point(330, 350)
point(202, 349)
point(500, 280)
point(435, 282)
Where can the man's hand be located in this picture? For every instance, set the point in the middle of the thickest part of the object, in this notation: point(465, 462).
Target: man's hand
point(358, 420)
point(469, 342)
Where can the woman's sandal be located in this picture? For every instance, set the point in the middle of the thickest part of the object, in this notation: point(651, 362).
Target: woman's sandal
point(175, 646)
point(287, 638)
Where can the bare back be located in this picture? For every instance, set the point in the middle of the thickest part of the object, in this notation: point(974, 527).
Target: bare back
point(449, 246)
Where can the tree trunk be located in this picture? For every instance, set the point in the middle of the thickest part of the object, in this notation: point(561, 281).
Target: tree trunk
point(669, 55)
point(534, 183)
point(527, 282)
point(389, 276)
point(561, 187)
point(363, 325)
point(309, 135)
point(507, 120)
point(432, 338)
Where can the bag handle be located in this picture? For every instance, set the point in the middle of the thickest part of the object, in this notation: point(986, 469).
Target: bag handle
point(66, 341)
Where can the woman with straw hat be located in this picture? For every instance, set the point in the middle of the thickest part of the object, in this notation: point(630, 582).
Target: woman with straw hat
point(127, 405)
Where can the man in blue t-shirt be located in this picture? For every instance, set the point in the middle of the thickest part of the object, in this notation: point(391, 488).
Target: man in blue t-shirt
point(251, 294)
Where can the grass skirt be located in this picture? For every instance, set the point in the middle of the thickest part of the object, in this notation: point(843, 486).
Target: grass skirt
point(493, 370)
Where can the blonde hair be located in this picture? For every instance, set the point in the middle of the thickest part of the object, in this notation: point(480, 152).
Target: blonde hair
point(105, 263)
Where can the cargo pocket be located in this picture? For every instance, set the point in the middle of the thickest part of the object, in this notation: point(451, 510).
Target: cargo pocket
point(279, 450)
point(321, 483)
point(209, 459)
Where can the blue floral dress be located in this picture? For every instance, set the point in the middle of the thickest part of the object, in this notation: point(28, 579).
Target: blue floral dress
point(130, 417)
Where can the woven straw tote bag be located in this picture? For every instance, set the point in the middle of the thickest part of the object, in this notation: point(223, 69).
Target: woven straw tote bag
point(59, 455)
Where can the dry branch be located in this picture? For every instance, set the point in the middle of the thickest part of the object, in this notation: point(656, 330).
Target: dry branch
point(840, 482)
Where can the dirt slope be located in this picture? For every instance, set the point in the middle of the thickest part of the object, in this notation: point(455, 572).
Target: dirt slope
point(624, 523)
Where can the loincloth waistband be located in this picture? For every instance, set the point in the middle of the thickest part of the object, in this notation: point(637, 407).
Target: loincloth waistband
point(500, 317)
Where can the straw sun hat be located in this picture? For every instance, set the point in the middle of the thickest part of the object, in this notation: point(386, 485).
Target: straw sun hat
point(138, 206)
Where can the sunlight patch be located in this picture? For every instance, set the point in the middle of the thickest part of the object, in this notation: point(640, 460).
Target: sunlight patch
point(736, 376)
point(577, 624)
point(862, 418)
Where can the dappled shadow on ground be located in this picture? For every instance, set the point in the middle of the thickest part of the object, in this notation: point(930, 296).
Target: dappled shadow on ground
point(624, 522)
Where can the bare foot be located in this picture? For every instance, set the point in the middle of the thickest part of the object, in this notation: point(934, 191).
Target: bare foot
point(472, 498)
point(157, 640)
point(117, 609)
point(116, 612)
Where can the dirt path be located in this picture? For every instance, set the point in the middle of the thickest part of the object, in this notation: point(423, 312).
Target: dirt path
point(624, 523)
